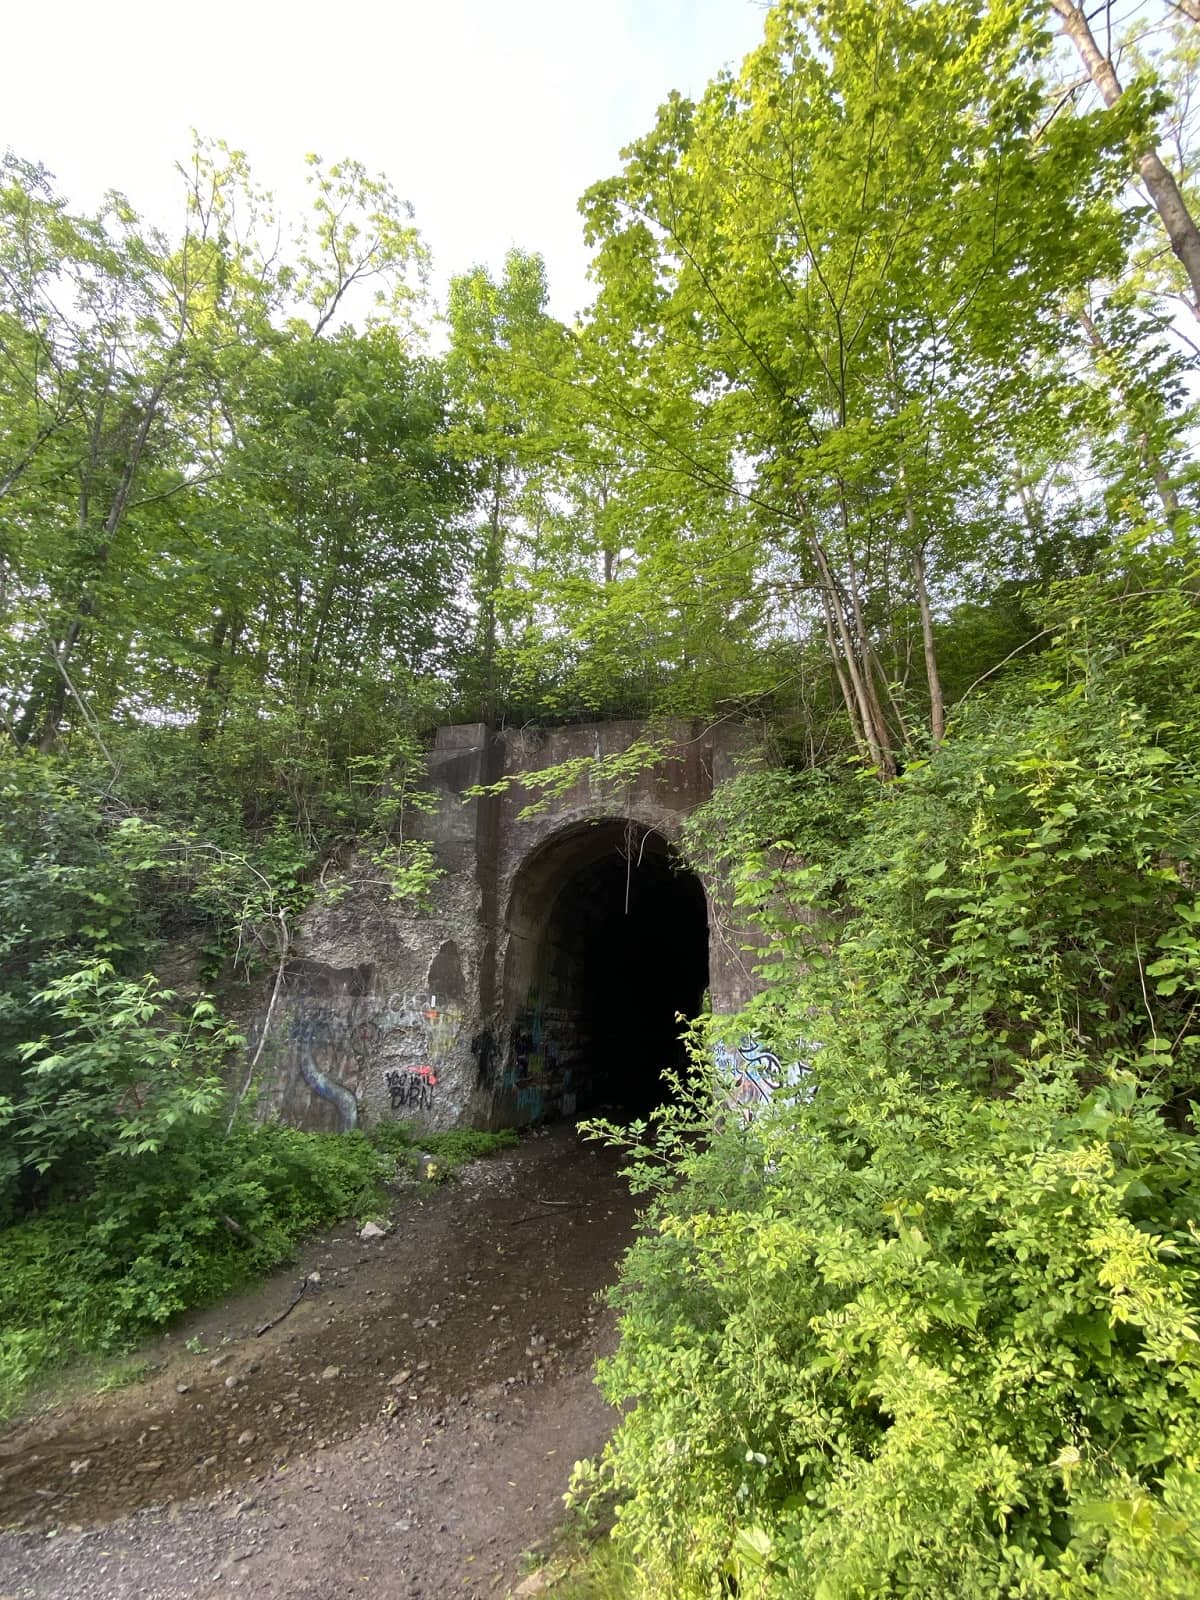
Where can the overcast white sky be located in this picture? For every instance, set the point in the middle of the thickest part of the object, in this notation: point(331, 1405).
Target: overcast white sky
point(491, 116)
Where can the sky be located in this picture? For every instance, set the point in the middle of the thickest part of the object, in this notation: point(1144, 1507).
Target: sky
point(490, 116)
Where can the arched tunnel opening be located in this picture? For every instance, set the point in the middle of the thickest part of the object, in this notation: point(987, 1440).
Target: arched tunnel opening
point(609, 947)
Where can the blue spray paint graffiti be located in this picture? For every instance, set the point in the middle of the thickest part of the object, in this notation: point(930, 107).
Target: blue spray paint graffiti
point(332, 1040)
point(333, 1034)
point(337, 1094)
point(751, 1076)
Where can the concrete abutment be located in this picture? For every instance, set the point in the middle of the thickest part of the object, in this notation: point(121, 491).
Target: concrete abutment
point(544, 976)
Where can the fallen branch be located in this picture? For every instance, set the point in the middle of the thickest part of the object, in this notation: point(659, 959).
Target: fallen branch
point(236, 1227)
point(541, 1216)
point(267, 1326)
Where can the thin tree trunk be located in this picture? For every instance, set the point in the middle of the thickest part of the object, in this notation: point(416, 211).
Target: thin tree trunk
point(860, 742)
point(876, 665)
point(493, 560)
point(937, 700)
point(206, 722)
point(1150, 456)
point(1181, 228)
point(866, 650)
point(874, 728)
point(610, 555)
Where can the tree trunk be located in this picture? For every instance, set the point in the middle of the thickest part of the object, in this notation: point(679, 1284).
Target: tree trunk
point(860, 742)
point(937, 700)
point(492, 569)
point(873, 667)
point(206, 722)
point(874, 728)
point(1150, 456)
point(1181, 228)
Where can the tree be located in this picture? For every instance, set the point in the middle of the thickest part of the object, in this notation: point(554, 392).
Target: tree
point(834, 281)
point(501, 344)
point(1164, 191)
point(338, 535)
point(141, 372)
point(123, 350)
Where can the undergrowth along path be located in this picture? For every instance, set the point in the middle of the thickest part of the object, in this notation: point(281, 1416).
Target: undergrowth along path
point(408, 1428)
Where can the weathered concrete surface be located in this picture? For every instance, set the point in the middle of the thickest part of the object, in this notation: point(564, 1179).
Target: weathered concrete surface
point(493, 1007)
point(380, 1006)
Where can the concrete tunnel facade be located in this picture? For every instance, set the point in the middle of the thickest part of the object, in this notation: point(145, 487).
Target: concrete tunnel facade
point(544, 977)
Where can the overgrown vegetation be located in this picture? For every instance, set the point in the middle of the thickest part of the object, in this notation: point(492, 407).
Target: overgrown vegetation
point(205, 1212)
point(931, 1325)
point(879, 436)
point(446, 1152)
point(158, 1232)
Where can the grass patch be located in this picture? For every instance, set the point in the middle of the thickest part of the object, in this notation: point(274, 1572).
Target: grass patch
point(124, 1374)
point(603, 1572)
point(448, 1151)
point(583, 1562)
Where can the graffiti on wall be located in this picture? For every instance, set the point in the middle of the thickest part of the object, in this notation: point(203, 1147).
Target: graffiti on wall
point(538, 1079)
point(751, 1076)
point(411, 1090)
point(329, 1052)
point(437, 1028)
point(321, 1042)
point(331, 1033)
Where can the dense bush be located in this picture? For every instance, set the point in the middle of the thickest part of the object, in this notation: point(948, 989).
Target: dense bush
point(158, 1231)
point(930, 1327)
point(165, 1231)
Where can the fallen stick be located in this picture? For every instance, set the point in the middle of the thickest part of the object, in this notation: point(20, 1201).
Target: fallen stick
point(540, 1216)
point(267, 1326)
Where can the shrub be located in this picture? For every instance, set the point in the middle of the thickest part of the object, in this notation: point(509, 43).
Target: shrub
point(930, 1328)
point(450, 1150)
point(895, 1341)
point(165, 1231)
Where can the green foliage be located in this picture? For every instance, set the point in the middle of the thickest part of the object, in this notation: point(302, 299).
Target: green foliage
point(898, 1338)
point(931, 1326)
point(600, 772)
point(457, 1146)
point(599, 1571)
point(117, 1075)
point(449, 1150)
point(867, 377)
point(178, 1226)
point(244, 509)
point(829, 305)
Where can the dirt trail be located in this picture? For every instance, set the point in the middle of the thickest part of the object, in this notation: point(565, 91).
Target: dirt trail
point(304, 1462)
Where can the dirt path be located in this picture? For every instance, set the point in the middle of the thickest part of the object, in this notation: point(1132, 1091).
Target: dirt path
point(407, 1430)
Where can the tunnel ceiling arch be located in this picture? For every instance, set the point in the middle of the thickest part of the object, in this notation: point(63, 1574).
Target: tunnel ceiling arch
point(607, 944)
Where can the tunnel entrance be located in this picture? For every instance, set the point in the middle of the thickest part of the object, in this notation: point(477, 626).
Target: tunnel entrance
point(609, 944)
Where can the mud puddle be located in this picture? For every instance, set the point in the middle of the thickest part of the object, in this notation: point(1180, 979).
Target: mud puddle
point(410, 1425)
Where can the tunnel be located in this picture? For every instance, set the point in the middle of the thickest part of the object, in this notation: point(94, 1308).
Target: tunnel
point(608, 946)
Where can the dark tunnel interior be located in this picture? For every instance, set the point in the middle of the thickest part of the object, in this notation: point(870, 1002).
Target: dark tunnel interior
point(624, 951)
